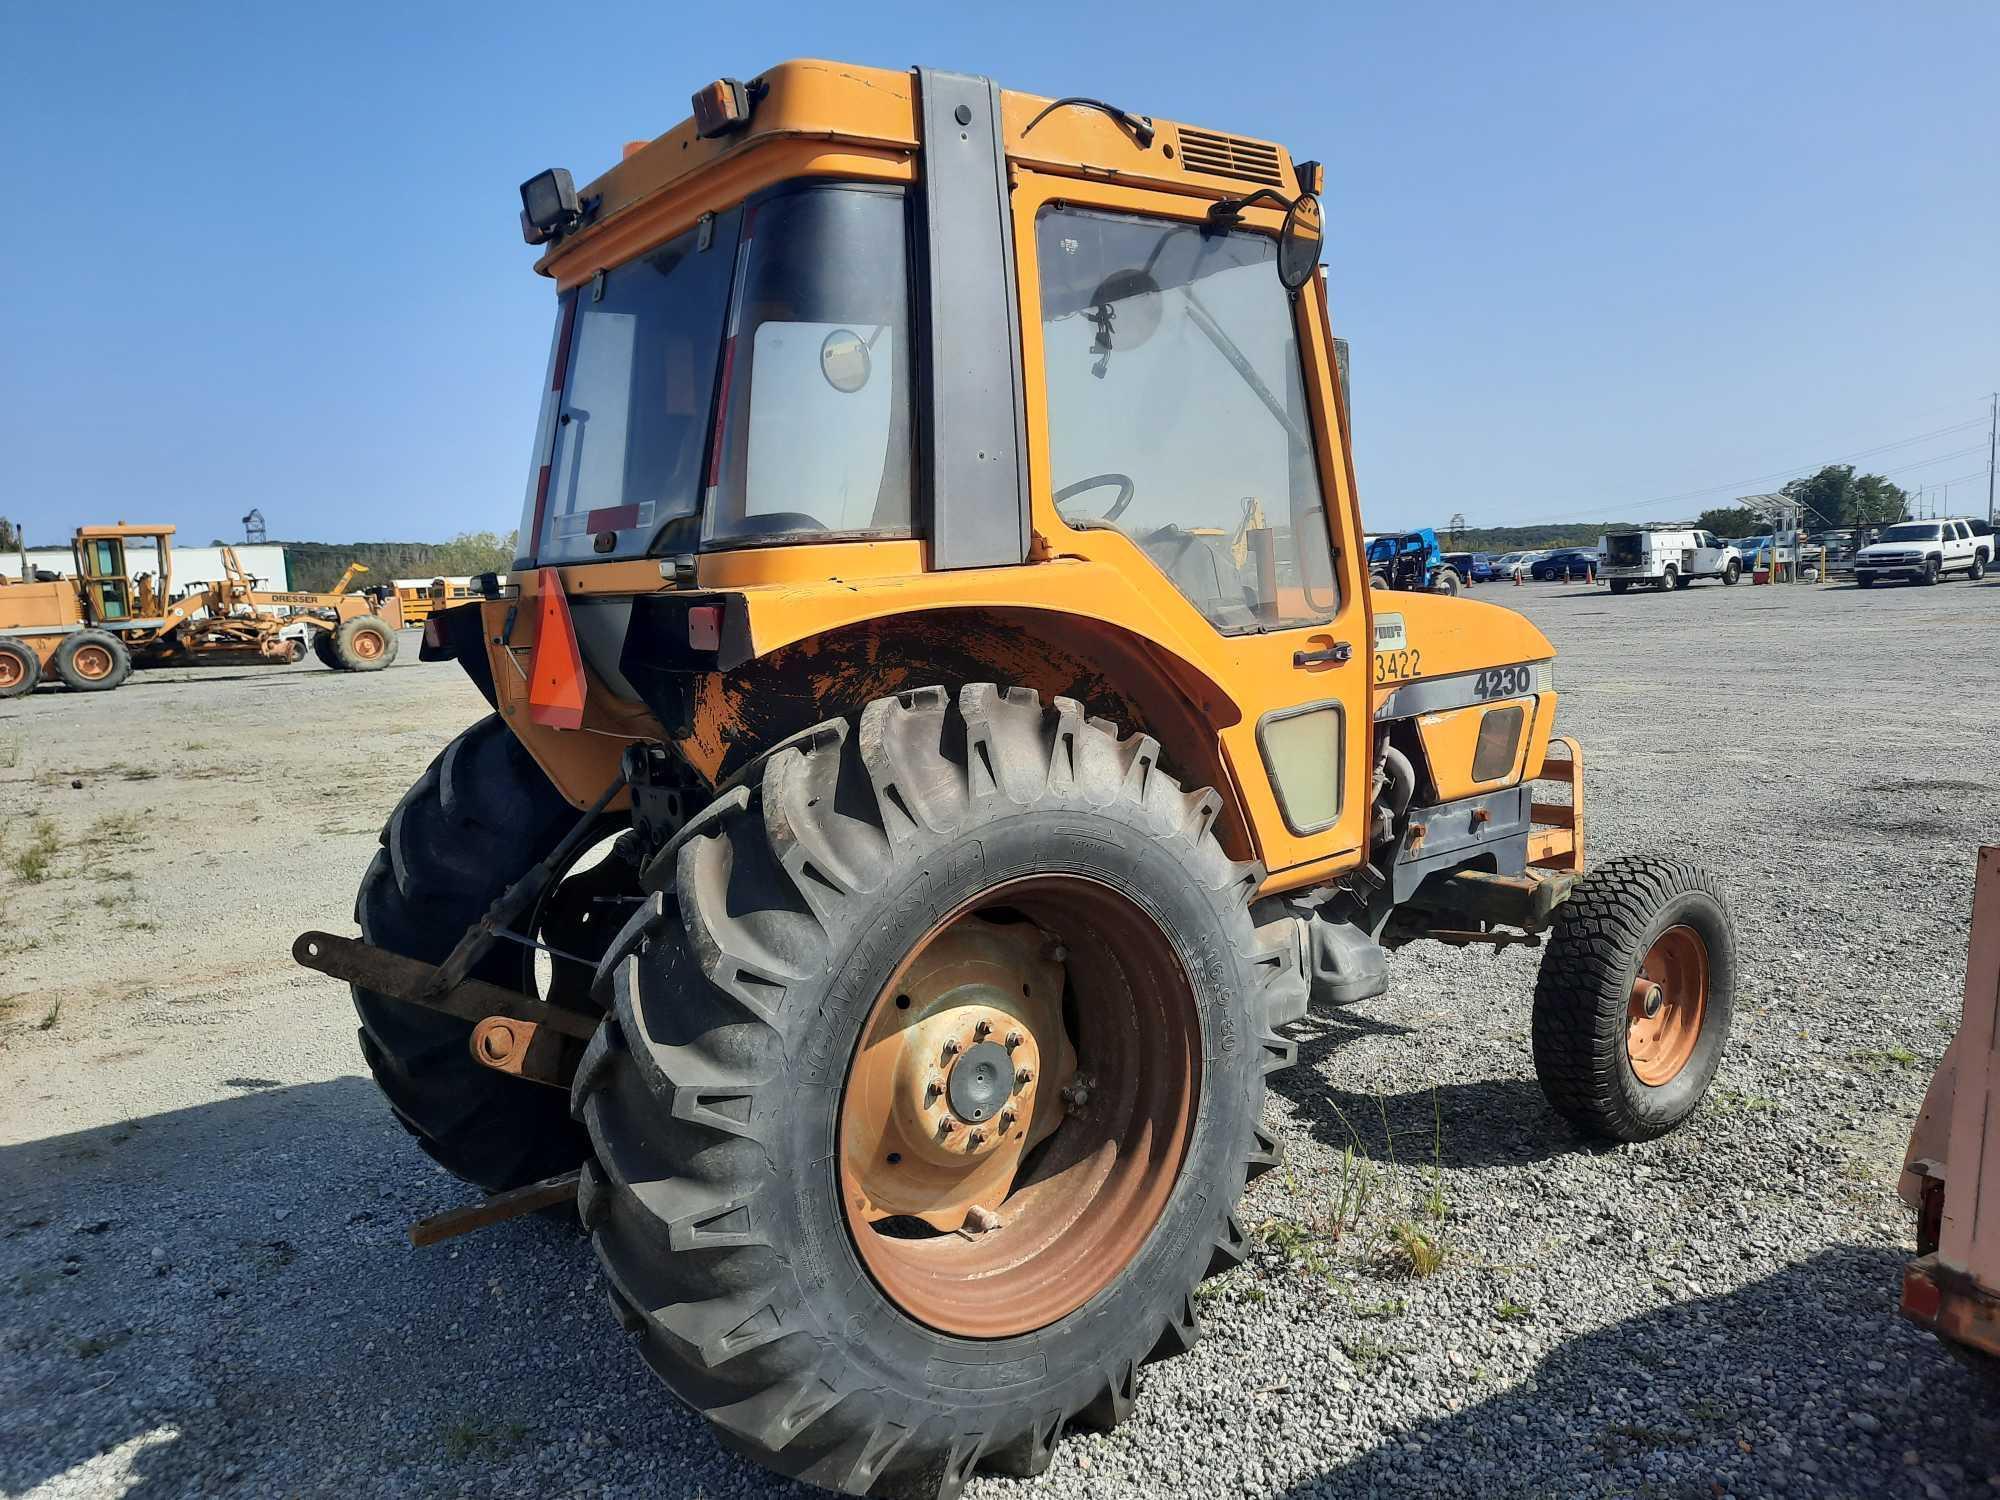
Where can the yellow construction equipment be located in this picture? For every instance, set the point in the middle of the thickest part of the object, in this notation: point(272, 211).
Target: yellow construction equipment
point(89, 630)
point(942, 736)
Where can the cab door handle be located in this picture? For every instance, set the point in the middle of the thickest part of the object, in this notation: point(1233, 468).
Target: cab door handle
point(1337, 652)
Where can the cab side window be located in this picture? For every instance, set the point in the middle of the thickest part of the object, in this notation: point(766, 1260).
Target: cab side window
point(1177, 411)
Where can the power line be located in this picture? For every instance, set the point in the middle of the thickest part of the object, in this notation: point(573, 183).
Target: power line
point(1740, 485)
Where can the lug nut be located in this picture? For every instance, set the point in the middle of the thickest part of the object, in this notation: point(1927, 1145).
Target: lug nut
point(951, 1046)
point(1006, 1120)
point(1013, 1040)
point(1025, 1077)
point(946, 1127)
point(974, 1141)
point(932, 1090)
point(982, 1030)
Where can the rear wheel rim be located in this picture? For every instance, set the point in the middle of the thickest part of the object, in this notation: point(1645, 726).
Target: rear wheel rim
point(1668, 1004)
point(92, 662)
point(13, 671)
point(988, 1204)
point(369, 644)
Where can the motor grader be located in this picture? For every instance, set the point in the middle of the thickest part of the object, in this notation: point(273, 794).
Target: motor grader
point(942, 735)
point(91, 629)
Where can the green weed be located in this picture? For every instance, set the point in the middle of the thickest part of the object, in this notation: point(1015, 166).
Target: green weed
point(36, 861)
point(1507, 1310)
point(1884, 1058)
point(1412, 1252)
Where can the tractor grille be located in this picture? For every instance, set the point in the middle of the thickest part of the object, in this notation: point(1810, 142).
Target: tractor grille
point(1230, 156)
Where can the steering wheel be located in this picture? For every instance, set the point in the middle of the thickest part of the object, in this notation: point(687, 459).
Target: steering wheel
point(1098, 482)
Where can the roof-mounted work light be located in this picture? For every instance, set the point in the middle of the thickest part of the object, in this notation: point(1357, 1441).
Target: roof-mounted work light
point(549, 206)
point(721, 107)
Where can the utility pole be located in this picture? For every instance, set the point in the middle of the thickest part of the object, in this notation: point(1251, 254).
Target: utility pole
point(1992, 432)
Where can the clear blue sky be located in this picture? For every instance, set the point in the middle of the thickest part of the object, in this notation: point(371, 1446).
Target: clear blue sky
point(1588, 255)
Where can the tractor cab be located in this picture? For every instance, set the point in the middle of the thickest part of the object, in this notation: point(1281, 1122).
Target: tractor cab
point(117, 596)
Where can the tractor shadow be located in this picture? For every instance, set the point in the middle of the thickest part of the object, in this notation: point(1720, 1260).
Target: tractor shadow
point(1482, 1122)
point(222, 1299)
point(1806, 1382)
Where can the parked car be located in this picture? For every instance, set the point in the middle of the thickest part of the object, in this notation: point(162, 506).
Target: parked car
point(1666, 557)
point(1472, 567)
point(1564, 564)
point(1923, 552)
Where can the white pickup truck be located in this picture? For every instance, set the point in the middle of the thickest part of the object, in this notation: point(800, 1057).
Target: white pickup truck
point(1666, 558)
point(1923, 552)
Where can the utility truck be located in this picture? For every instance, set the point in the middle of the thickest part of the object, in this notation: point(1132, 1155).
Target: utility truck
point(1665, 557)
point(942, 736)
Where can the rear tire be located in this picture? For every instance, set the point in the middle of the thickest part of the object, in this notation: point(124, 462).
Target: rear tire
point(20, 669)
point(322, 647)
point(1671, 579)
point(1978, 569)
point(91, 661)
point(364, 644)
point(1608, 1069)
point(718, 1094)
point(476, 821)
point(1619, 585)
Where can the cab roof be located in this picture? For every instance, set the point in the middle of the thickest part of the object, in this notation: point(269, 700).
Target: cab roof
point(878, 111)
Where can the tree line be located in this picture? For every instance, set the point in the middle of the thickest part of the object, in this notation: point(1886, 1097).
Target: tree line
point(1835, 497)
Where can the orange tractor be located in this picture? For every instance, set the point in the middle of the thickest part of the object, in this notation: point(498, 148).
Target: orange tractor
point(941, 736)
point(91, 629)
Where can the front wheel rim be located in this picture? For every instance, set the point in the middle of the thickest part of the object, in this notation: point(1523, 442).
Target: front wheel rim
point(93, 663)
point(368, 644)
point(13, 671)
point(988, 1204)
point(1667, 1006)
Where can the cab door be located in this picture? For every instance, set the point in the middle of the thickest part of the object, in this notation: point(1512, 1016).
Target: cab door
point(1182, 428)
point(107, 589)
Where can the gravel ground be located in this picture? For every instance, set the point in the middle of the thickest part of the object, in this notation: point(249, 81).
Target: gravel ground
point(205, 1288)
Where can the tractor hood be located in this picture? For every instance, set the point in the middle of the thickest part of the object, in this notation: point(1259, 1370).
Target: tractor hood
point(1452, 635)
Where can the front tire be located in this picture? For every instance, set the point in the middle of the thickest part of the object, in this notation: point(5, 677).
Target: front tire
point(738, 1106)
point(1619, 585)
point(1447, 582)
point(91, 661)
point(1864, 580)
point(477, 820)
point(1930, 573)
point(1633, 1001)
point(1731, 571)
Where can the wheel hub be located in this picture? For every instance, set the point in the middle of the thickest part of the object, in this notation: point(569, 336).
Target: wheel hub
point(980, 1081)
point(987, 1192)
point(1663, 1019)
point(951, 1071)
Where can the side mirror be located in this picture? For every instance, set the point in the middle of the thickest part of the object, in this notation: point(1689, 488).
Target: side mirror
point(1300, 242)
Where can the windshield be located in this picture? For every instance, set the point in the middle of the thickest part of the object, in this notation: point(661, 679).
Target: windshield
point(1909, 531)
point(628, 400)
point(1177, 411)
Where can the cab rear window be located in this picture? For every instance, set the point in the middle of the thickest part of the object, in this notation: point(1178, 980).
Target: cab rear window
point(628, 403)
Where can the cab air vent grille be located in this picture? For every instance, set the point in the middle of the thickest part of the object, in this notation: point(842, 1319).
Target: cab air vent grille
point(1230, 156)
